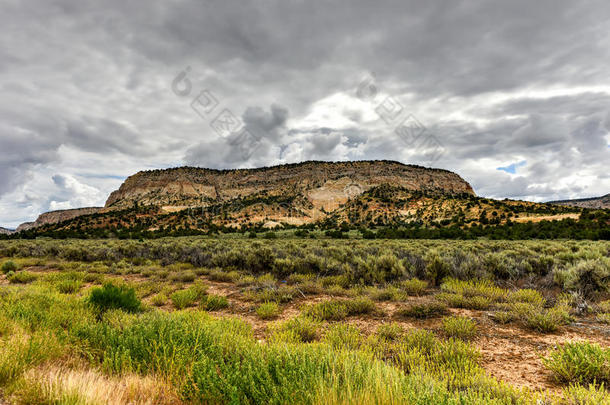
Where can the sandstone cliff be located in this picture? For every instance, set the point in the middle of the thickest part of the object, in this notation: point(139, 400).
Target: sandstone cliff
point(54, 217)
point(322, 184)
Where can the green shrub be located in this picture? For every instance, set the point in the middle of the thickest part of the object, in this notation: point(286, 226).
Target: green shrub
point(184, 298)
point(576, 394)
point(528, 296)
point(436, 268)
point(543, 321)
point(112, 297)
point(603, 306)
point(503, 317)
point(386, 294)
point(421, 340)
point(9, 265)
point(185, 276)
point(214, 302)
point(459, 301)
point(301, 329)
point(273, 294)
point(579, 362)
point(475, 288)
point(343, 336)
point(92, 278)
point(423, 311)
point(359, 306)
point(590, 277)
point(268, 310)
point(390, 331)
point(459, 327)
point(68, 286)
point(332, 310)
point(224, 276)
point(159, 300)
point(604, 318)
point(22, 277)
point(414, 286)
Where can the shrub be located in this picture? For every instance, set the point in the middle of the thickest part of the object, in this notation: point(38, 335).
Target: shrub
point(22, 277)
point(528, 296)
point(423, 311)
point(300, 329)
point(386, 294)
point(436, 268)
point(342, 336)
point(68, 286)
point(273, 294)
point(414, 286)
point(92, 278)
point(224, 276)
point(332, 310)
point(268, 310)
point(9, 265)
point(475, 288)
point(214, 302)
point(186, 276)
point(503, 317)
point(184, 298)
point(459, 301)
point(112, 297)
point(603, 306)
point(591, 395)
point(359, 306)
point(579, 362)
point(459, 327)
point(589, 277)
point(604, 318)
point(159, 300)
point(420, 339)
point(543, 321)
point(390, 331)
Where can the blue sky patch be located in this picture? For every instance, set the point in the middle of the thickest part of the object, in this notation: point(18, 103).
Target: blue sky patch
point(512, 168)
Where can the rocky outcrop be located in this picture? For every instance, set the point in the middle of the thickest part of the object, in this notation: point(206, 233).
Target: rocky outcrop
point(595, 203)
point(54, 217)
point(4, 231)
point(323, 184)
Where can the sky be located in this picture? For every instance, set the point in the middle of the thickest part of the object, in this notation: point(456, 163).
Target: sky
point(512, 95)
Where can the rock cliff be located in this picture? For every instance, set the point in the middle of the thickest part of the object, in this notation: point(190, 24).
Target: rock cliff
point(322, 184)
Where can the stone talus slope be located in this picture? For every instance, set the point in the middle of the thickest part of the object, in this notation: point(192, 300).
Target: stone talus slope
point(323, 184)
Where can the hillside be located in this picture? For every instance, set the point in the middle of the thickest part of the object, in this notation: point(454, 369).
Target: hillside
point(410, 200)
point(324, 185)
point(4, 231)
point(594, 203)
point(54, 217)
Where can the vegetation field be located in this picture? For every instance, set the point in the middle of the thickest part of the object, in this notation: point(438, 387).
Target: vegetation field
point(306, 321)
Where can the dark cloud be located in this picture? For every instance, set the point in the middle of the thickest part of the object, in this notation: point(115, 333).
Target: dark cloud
point(86, 89)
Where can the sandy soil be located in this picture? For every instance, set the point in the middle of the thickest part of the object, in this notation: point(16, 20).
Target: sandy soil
point(509, 352)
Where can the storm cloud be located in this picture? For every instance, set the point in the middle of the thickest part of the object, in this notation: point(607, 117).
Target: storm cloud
point(87, 96)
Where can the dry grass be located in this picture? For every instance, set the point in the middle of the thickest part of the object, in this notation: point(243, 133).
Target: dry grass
point(58, 384)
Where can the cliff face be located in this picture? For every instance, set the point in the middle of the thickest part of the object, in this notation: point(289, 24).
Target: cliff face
point(320, 184)
point(54, 217)
point(4, 231)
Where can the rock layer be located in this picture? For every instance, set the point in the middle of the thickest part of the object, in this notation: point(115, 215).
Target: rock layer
point(324, 184)
point(54, 217)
